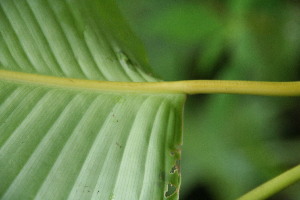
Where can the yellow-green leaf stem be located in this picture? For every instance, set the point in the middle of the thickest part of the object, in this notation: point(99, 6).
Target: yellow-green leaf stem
point(186, 87)
point(273, 186)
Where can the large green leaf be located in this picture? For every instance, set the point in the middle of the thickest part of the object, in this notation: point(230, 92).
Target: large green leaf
point(62, 142)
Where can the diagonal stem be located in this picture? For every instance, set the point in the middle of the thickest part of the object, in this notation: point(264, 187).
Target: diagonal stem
point(274, 185)
point(185, 87)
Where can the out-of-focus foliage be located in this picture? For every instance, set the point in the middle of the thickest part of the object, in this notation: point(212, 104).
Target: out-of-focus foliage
point(232, 143)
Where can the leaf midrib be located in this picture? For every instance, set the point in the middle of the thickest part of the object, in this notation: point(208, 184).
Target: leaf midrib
point(81, 84)
point(175, 87)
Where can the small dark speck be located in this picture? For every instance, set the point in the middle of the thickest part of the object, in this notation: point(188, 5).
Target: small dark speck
point(120, 146)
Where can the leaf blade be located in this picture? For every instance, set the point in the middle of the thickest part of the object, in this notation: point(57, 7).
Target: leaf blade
point(63, 142)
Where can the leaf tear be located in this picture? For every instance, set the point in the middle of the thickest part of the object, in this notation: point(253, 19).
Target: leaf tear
point(172, 189)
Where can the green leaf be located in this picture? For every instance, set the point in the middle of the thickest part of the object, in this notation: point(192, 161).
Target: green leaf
point(187, 23)
point(61, 142)
point(76, 39)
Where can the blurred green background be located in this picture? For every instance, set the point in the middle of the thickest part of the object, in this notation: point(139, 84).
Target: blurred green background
point(232, 143)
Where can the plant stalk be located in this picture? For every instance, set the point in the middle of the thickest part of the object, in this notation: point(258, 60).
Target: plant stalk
point(185, 87)
point(273, 186)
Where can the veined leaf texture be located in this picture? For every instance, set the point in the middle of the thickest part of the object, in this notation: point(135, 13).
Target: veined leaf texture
point(60, 142)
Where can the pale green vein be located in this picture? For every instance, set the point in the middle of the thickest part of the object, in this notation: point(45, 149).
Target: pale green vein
point(19, 146)
point(88, 60)
point(6, 58)
point(6, 92)
point(153, 159)
point(76, 44)
point(37, 34)
point(172, 151)
point(35, 170)
point(16, 109)
point(56, 38)
point(26, 39)
point(111, 160)
point(131, 162)
point(127, 65)
point(104, 56)
point(66, 166)
point(64, 38)
point(13, 43)
point(100, 46)
point(114, 126)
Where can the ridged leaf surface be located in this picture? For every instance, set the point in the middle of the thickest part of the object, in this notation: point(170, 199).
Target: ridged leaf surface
point(59, 142)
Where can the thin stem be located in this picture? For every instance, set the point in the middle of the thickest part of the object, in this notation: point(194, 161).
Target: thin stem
point(236, 87)
point(186, 87)
point(273, 186)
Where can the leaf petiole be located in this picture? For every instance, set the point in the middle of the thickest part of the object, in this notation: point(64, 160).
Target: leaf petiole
point(274, 185)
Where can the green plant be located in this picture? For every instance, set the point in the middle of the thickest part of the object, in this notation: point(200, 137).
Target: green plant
point(66, 132)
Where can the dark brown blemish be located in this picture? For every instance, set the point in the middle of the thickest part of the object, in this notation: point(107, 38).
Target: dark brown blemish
point(176, 167)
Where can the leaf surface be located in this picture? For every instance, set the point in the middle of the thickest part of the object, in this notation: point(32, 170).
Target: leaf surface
point(58, 142)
